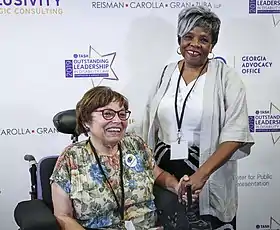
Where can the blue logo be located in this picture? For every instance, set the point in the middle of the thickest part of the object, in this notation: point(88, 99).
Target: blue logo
point(91, 65)
point(254, 64)
point(266, 121)
point(264, 6)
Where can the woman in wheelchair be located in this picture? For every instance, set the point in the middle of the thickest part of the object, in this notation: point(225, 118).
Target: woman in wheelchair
point(107, 181)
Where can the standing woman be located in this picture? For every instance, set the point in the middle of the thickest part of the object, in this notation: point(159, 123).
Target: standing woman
point(197, 121)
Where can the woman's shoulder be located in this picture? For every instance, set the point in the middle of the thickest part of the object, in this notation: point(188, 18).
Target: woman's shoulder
point(167, 74)
point(171, 66)
point(132, 137)
point(226, 69)
point(75, 148)
point(132, 140)
point(229, 75)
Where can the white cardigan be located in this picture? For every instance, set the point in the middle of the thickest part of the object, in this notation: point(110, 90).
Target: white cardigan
point(224, 118)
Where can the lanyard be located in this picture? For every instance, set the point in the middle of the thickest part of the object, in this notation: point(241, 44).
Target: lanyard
point(179, 120)
point(120, 206)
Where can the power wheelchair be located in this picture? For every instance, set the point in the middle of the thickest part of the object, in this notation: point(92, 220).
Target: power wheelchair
point(37, 213)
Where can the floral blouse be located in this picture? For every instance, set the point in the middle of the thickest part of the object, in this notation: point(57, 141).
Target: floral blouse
point(78, 174)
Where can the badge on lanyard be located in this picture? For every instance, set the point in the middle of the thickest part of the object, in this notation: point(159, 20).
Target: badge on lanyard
point(129, 225)
point(179, 149)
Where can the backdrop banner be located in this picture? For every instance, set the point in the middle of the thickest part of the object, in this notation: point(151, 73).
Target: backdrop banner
point(53, 51)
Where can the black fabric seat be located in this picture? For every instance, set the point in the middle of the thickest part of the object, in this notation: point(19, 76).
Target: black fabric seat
point(37, 213)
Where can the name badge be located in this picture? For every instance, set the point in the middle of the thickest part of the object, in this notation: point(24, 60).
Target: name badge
point(179, 151)
point(129, 225)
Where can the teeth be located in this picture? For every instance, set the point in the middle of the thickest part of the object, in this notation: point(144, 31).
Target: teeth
point(193, 52)
point(114, 129)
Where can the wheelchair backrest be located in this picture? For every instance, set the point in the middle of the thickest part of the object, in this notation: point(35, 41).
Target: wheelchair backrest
point(44, 171)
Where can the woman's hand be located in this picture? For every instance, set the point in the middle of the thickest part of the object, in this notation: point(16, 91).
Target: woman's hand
point(68, 223)
point(197, 181)
point(181, 190)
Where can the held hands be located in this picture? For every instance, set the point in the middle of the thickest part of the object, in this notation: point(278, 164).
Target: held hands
point(197, 181)
point(182, 190)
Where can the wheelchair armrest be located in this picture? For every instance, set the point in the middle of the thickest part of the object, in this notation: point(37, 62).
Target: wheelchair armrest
point(34, 215)
point(171, 213)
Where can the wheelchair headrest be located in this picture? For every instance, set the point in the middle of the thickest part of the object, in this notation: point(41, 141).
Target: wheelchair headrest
point(65, 121)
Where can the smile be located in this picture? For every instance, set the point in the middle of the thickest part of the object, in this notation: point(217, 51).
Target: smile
point(114, 129)
point(193, 53)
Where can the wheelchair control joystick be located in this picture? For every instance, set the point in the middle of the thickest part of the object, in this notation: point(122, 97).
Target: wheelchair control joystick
point(32, 171)
point(195, 222)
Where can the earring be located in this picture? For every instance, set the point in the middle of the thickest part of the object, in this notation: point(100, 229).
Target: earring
point(211, 56)
point(178, 51)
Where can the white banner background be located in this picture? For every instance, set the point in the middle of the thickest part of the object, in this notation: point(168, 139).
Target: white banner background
point(34, 88)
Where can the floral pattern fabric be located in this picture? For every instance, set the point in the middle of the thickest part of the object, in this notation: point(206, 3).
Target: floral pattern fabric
point(78, 174)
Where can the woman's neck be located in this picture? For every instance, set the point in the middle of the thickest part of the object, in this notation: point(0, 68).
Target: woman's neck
point(103, 148)
point(192, 69)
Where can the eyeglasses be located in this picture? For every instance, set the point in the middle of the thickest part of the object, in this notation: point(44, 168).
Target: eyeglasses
point(109, 114)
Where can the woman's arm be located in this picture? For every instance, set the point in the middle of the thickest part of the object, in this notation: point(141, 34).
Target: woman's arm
point(63, 210)
point(235, 132)
point(165, 180)
point(235, 138)
point(219, 157)
point(68, 223)
point(214, 162)
point(162, 178)
point(61, 202)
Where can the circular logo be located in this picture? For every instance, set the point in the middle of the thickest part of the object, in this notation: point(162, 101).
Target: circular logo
point(130, 160)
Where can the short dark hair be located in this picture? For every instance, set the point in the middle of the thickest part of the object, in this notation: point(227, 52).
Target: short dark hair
point(93, 99)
